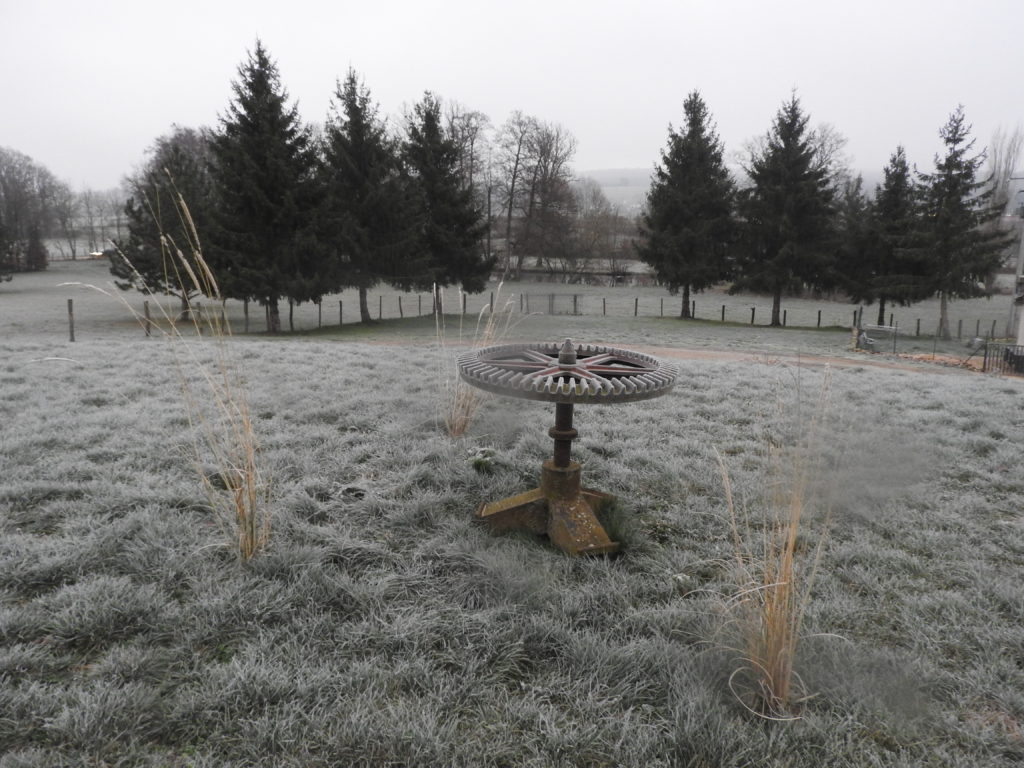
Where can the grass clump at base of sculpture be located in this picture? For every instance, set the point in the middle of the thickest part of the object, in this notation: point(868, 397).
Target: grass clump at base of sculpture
point(461, 402)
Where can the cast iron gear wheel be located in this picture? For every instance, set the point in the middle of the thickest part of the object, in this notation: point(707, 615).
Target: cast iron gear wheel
point(562, 373)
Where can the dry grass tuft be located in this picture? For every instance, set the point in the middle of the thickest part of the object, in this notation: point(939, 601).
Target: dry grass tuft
point(215, 397)
point(460, 402)
point(776, 569)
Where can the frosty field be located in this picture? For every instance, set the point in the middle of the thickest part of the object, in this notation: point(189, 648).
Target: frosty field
point(384, 627)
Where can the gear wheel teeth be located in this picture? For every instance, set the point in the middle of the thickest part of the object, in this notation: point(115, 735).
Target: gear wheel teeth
point(533, 371)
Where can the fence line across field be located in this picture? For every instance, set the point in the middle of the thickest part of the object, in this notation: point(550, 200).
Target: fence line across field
point(298, 317)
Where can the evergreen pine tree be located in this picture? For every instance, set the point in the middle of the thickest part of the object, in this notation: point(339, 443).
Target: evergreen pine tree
point(179, 164)
point(364, 220)
point(450, 226)
point(788, 212)
point(892, 271)
point(36, 256)
point(955, 207)
point(263, 169)
point(6, 268)
point(689, 218)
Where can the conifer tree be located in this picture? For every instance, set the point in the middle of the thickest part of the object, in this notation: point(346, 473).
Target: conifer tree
point(6, 268)
point(179, 165)
point(450, 226)
point(955, 207)
point(689, 222)
point(36, 256)
point(263, 169)
point(364, 219)
point(788, 212)
point(890, 270)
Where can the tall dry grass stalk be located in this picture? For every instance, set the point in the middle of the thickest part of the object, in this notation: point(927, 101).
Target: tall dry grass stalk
point(461, 402)
point(776, 569)
point(215, 396)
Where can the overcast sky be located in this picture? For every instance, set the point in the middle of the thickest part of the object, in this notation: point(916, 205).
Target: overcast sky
point(87, 86)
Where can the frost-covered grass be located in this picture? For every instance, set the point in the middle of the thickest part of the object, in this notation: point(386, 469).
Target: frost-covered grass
point(383, 626)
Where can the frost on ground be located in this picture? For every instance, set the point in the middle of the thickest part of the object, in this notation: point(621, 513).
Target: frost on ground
point(382, 626)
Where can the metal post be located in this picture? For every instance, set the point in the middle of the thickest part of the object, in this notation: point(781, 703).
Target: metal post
point(723, 313)
point(604, 305)
point(575, 304)
point(977, 329)
point(145, 311)
point(320, 313)
point(992, 333)
point(71, 320)
point(563, 434)
point(636, 306)
point(492, 302)
point(959, 329)
point(419, 305)
point(380, 306)
point(752, 311)
point(693, 309)
point(341, 314)
point(784, 317)
point(855, 318)
point(463, 302)
point(819, 318)
point(401, 314)
point(661, 312)
point(895, 333)
point(245, 312)
point(917, 330)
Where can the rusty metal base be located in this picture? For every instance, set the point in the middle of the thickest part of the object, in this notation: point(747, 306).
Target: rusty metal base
point(560, 508)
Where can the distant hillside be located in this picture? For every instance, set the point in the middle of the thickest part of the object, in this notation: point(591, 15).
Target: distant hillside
point(624, 187)
point(627, 187)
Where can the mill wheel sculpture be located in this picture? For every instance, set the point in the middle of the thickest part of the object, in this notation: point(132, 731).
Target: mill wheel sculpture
point(565, 375)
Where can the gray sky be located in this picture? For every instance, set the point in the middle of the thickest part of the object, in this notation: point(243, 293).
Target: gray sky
point(89, 85)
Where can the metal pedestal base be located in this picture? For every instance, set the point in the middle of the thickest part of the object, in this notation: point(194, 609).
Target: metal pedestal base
point(560, 508)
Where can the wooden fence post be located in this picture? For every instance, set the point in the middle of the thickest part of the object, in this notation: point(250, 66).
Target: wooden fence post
point(819, 318)
point(917, 329)
point(245, 312)
point(661, 311)
point(636, 306)
point(723, 313)
point(319, 313)
point(71, 320)
point(604, 305)
point(752, 311)
point(401, 314)
point(960, 329)
point(693, 309)
point(784, 312)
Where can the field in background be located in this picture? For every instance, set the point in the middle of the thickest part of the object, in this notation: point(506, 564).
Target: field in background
point(383, 627)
